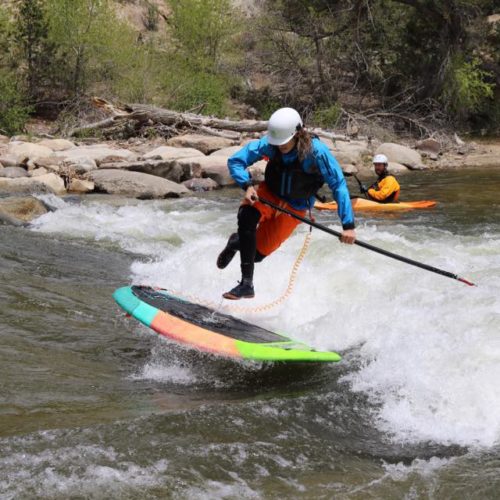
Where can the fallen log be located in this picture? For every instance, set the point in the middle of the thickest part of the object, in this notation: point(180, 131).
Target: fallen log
point(177, 121)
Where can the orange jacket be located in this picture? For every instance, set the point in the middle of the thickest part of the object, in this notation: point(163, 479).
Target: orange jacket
point(385, 190)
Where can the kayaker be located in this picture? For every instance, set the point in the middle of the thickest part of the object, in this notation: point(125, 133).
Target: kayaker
point(298, 164)
point(386, 189)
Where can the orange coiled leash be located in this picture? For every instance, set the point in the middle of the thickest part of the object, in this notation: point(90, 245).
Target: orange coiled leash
point(265, 307)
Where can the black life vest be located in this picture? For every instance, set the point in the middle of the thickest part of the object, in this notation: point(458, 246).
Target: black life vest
point(290, 181)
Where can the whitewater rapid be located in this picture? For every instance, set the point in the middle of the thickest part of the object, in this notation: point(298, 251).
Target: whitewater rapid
point(424, 349)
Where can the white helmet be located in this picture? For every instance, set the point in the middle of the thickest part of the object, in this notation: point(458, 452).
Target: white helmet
point(282, 126)
point(380, 159)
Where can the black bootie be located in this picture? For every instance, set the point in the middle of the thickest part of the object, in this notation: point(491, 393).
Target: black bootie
point(226, 256)
point(244, 289)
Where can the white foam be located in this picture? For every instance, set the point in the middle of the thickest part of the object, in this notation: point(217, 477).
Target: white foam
point(428, 347)
point(94, 471)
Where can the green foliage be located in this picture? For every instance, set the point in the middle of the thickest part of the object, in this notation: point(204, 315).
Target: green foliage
point(186, 88)
point(327, 117)
point(467, 89)
point(203, 29)
point(76, 27)
point(13, 111)
point(33, 52)
point(4, 35)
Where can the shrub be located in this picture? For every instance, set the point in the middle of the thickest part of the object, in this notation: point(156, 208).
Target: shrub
point(327, 117)
point(467, 90)
point(13, 111)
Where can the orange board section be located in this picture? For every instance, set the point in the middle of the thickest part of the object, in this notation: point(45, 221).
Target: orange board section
point(177, 329)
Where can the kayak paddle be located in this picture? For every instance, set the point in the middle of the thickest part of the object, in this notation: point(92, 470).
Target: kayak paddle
point(361, 187)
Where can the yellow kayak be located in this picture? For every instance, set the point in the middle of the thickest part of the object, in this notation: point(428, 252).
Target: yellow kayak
point(363, 204)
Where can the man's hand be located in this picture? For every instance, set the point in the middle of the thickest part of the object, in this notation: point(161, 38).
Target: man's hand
point(251, 195)
point(348, 236)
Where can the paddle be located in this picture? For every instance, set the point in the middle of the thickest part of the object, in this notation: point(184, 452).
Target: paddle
point(352, 174)
point(367, 245)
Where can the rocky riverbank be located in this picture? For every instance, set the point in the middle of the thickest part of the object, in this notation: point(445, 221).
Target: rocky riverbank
point(147, 169)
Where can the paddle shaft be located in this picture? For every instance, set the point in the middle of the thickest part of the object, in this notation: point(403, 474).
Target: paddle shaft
point(367, 245)
point(364, 193)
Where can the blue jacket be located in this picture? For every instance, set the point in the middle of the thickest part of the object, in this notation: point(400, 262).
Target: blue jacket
point(321, 157)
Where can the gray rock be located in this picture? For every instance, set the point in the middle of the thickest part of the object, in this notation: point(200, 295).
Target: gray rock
point(204, 143)
point(13, 172)
point(96, 152)
point(57, 144)
point(227, 152)
point(47, 183)
point(429, 146)
point(401, 154)
point(24, 185)
point(25, 151)
point(79, 166)
point(10, 160)
point(214, 167)
point(197, 184)
point(168, 169)
point(81, 186)
point(172, 153)
point(136, 184)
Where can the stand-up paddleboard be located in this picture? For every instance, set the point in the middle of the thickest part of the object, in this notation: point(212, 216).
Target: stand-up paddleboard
point(210, 331)
point(370, 205)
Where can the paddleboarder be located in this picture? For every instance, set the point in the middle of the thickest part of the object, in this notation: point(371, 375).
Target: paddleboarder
point(298, 164)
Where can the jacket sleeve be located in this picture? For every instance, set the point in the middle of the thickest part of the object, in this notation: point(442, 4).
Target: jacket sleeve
point(246, 156)
point(332, 173)
point(386, 187)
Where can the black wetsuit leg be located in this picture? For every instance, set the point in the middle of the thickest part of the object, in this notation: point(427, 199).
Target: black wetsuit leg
point(248, 219)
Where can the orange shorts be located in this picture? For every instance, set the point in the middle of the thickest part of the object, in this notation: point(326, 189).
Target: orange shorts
point(274, 227)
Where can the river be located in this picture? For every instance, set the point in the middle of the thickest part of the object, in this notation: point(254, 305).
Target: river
point(95, 405)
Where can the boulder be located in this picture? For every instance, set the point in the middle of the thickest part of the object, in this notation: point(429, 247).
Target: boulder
point(81, 186)
point(13, 172)
point(396, 168)
point(346, 152)
point(136, 184)
point(401, 154)
point(10, 160)
point(24, 151)
point(38, 171)
point(214, 167)
point(197, 184)
point(429, 147)
point(227, 152)
point(20, 210)
point(172, 153)
point(79, 166)
point(168, 169)
point(27, 185)
point(53, 181)
point(205, 143)
point(96, 152)
point(349, 169)
point(51, 163)
point(57, 144)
